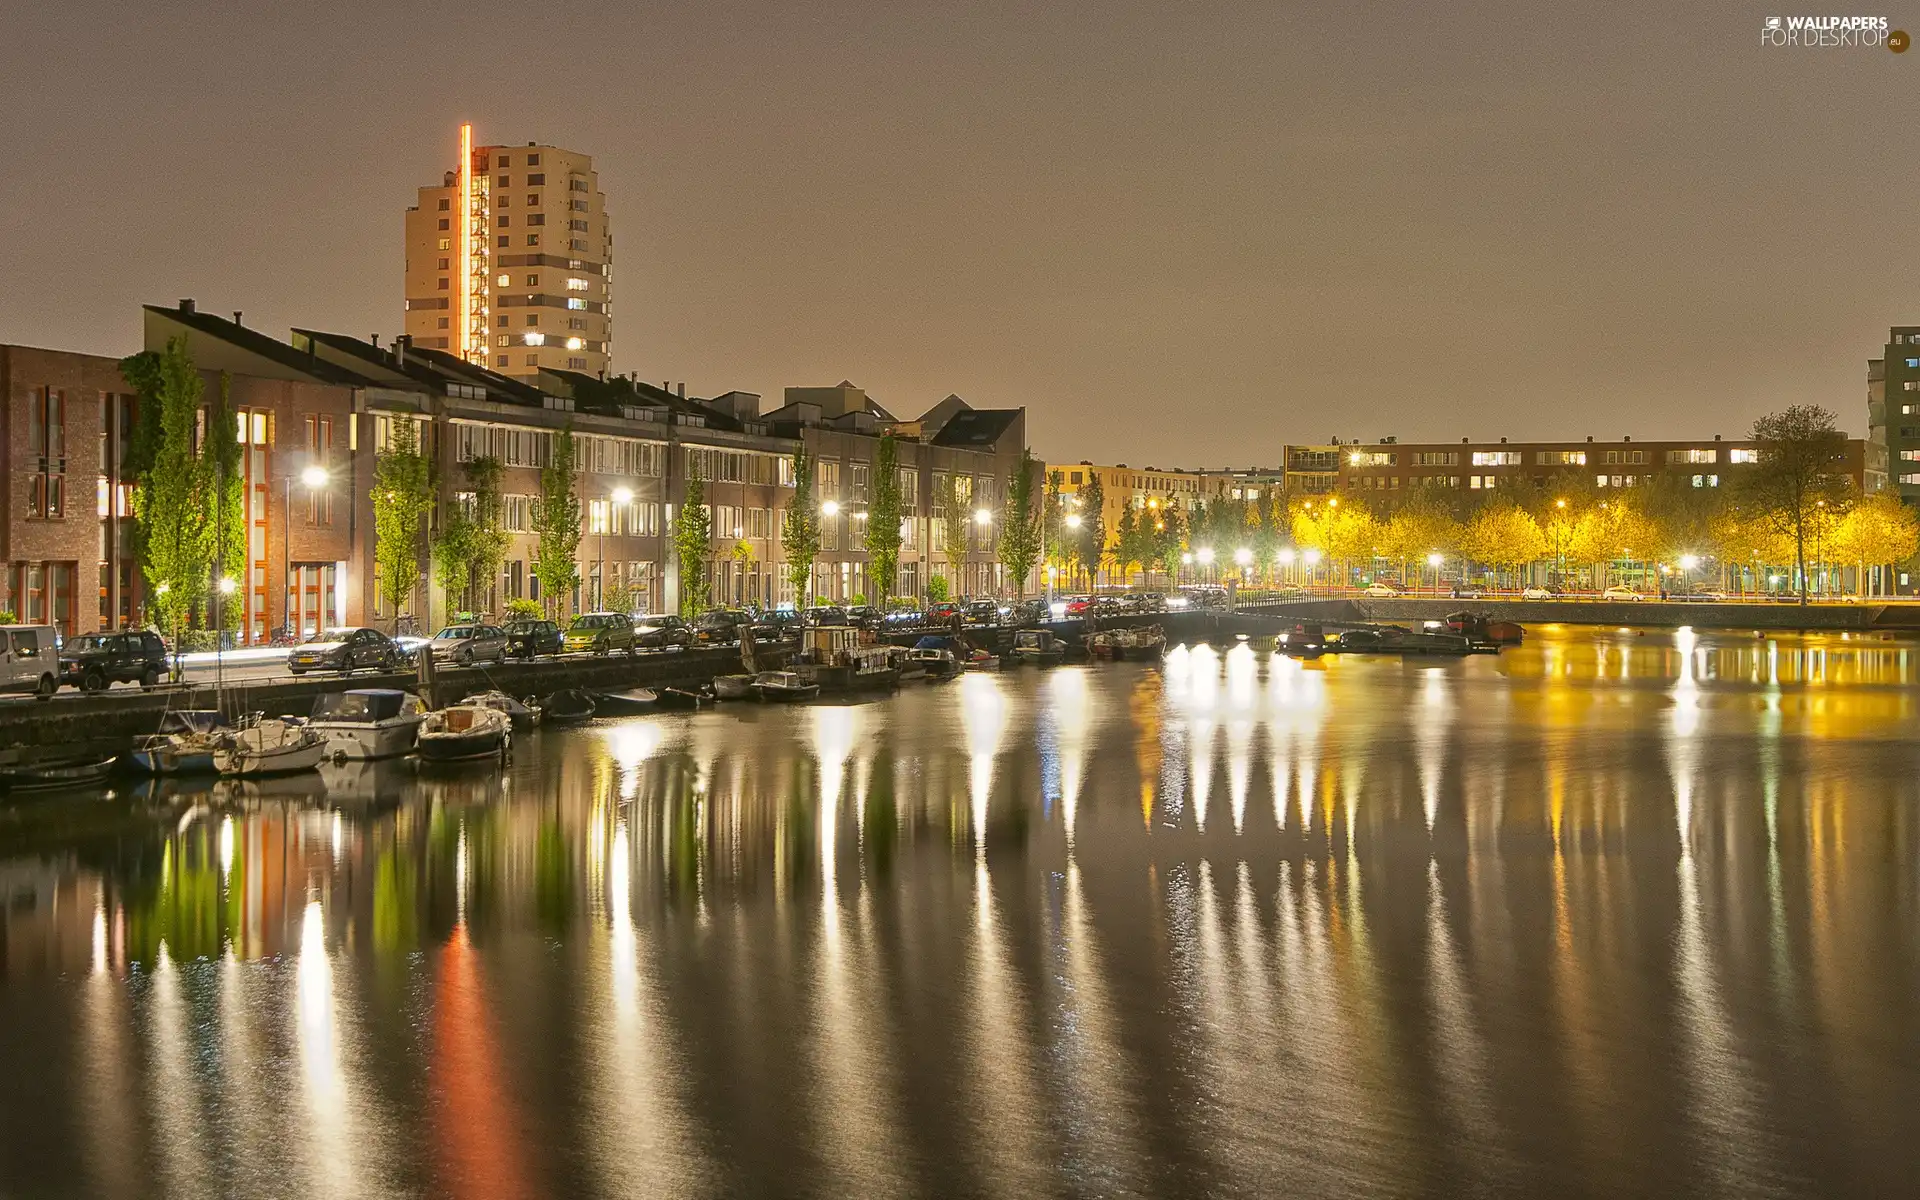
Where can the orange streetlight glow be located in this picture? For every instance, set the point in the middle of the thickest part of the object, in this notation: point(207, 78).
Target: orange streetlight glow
point(464, 247)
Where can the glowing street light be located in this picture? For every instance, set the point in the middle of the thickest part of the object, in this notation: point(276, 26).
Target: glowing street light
point(1243, 557)
point(1312, 557)
point(1073, 520)
point(1285, 555)
point(315, 477)
point(982, 516)
point(1206, 555)
point(830, 509)
point(1689, 561)
point(623, 495)
point(1186, 559)
point(227, 585)
point(1433, 559)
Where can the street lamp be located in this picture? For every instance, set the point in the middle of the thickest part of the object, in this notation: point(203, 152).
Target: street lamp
point(1434, 560)
point(830, 509)
point(619, 497)
point(315, 477)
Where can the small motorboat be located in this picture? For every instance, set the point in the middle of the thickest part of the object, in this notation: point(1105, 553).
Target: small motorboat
point(1037, 647)
point(522, 714)
point(1482, 629)
point(184, 744)
point(634, 702)
point(933, 657)
point(733, 687)
point(271, 746)
point(367, 722)
point(568, 707)
point(783, 687)
point(461, 732)
point(980, 660)
point(55, 773)
point(683, 699)
point(1303, 639)
point(1144, 643)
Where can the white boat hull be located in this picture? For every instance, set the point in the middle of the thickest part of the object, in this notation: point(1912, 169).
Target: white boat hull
point(379, 739)
point(255, 753)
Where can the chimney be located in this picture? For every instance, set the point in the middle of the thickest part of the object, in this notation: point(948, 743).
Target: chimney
point(666, 385)
point(186, 306)
point(374, 338)
point(681, 391)
point(236, 316)
point(1626, 439)
point(401, 345)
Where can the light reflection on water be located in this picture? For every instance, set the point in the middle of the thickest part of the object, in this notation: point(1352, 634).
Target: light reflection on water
point(1611, 912)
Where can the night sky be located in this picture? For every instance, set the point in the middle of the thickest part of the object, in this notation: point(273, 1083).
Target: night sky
point(1179, 234)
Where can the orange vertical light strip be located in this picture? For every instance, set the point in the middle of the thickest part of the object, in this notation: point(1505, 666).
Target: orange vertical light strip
point(465, 257)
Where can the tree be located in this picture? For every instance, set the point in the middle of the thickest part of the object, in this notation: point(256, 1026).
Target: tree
point(402, 498)
point(800, 529)
point(226, 487)
point(1502, 534)
point(487, 536)
point(1127, 549)
point(556, 524)
point(693, 544)
point(1053, 521)
point(884, 516)
point(1801, 451)
point(1169, 538)
point(170, 505)
point(1351, 533)
point(1421, 526)
point(1091, 545)
point(937, 589)
point(1019, 527)
point(453, 555)
point(1879, 530)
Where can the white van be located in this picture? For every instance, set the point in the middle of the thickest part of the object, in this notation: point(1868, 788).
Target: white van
point(29, 659)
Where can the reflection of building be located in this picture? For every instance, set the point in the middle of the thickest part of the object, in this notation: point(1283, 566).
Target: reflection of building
point(510, 261)
point(1893, 409)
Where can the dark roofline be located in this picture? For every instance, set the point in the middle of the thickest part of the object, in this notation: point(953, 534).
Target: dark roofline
point(259, 343)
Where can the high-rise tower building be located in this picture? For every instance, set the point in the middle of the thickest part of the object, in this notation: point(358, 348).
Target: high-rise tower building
point(510, 261)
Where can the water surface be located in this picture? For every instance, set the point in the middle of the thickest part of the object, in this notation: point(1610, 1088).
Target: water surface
point(1614, 913)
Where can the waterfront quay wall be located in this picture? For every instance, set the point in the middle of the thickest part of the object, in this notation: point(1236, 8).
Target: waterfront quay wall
point(105, 721)
point(1859, 618)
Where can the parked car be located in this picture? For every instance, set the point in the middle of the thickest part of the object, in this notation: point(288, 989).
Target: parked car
point(1468, 591)
point(29, 661)
point(1697, 596)
point(94, 661)
point(1289, 591)
point(1621, 592)
point(464, 645)
point(865, 616)
point(981, 612)
point(1205, 595)
point(1381, 588)
point(942, 612)
point(826, 614)
point(778, 624)
point(1548, 592)
point(720, 626)
point(530, 639)
point(903, 615)
point(1077, 606)
point(662, 632)
point(600, 633)
point(346, 651)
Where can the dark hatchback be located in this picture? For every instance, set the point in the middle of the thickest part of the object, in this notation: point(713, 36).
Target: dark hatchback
point(720, 626)
point(94, 661)
point(661, 632)
point(982, 612)
point(531, 639)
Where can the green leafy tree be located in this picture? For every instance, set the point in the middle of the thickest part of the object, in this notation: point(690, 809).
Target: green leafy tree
point(1421, 526)
point(883, 519)
point(1169, 538)
point(1127, 550)
point(1802, 452)
point(800, 530)
point(937, 589)
point(453, 555)
point(1019, 526)
point(226, 488)
point(170, 502)
point(1053, 517)
point(693, 545)
point(556, 525)
point(1090, 547)
point(1503, 535)
point(522, 609)
point(487, 536)
point(403, 495)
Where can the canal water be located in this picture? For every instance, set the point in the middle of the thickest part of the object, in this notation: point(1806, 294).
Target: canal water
point(1615, 913)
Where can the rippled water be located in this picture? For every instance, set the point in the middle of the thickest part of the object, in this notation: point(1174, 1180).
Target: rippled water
point(1611, 914)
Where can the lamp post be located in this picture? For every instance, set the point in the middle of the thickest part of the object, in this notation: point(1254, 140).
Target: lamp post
point(1073, 522)
point(1434, 560)
point(620, 497)
point(983, 518)
point(315, 477)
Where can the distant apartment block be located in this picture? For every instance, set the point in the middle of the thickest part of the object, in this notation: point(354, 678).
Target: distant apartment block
point(509, 261)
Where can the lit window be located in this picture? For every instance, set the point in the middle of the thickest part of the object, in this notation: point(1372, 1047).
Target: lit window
point(536, 339)
point(504, 340)
point(1743, 456)
point(576, 304)
point(504, 280)
point(1912, 362)
point(446, 243)
point(574, 343)
point(576, 285)
point(533, 281)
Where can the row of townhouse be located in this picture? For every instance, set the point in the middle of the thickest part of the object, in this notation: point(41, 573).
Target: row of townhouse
point(314, 411)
